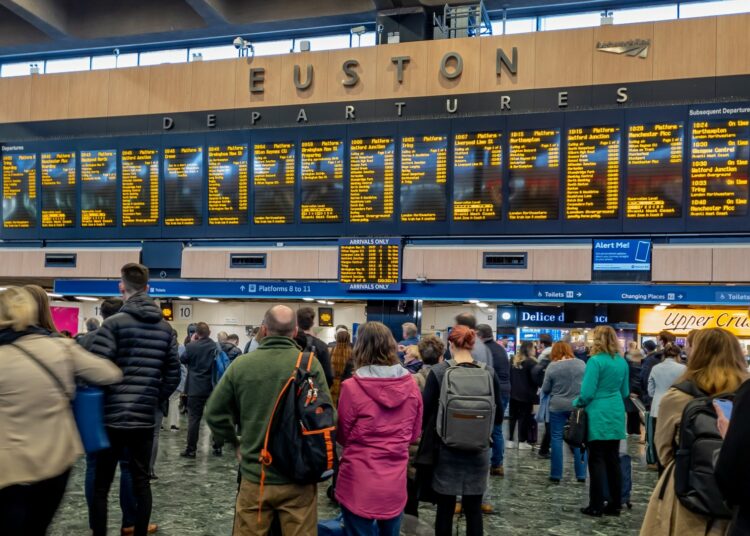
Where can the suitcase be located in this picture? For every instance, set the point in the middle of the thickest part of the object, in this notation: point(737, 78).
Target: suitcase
point(642, 411)
point(626, 467)
point(651, 458)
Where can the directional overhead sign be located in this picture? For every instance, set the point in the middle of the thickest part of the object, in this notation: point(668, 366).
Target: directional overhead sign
point(459, 291)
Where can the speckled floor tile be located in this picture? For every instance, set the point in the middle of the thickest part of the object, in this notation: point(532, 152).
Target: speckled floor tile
point(196, 498)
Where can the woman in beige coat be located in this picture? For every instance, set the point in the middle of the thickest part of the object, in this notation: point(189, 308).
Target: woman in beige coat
point(39, 441)
point(716, 365)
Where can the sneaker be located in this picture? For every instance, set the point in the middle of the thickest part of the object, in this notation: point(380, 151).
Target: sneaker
point(497, 471)
point(153, 476)
point(175, 428)
point(187, 454)
point(589, 511)
point(544, 455)
point(524, 446)
point(581, 480)
point(487, 509)
point(554, 480)
point(218, 452)
point(510, 444)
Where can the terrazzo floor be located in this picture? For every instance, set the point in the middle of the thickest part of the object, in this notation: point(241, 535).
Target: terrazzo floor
point(196, 497)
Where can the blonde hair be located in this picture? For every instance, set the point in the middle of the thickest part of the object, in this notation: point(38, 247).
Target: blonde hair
point(716, 364)
point(43, 311)
point(605, 341)
point(413, 351)
point(18, 309)
point(523, 353)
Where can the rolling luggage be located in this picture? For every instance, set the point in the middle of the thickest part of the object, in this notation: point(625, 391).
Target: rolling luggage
point(626, 467)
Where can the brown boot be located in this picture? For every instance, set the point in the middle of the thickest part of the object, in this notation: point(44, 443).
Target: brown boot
point(128, 531)
point(487, 509)
point(497, 471)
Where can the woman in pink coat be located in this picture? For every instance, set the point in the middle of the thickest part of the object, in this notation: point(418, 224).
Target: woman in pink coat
point(380, 415)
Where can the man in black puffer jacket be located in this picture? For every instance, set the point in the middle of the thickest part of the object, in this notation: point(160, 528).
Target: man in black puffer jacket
point(142, 344)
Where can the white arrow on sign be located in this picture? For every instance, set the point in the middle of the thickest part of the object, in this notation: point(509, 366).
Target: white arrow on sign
point(579, 294)
point(242, 288)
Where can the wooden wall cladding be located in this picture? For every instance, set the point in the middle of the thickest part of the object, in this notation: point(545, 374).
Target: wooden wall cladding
point(90, 263)
point(730, 264)
point(681, 264)
point(688, 48)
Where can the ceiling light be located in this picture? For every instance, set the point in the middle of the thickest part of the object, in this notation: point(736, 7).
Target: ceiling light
point(330, 303)
point(322, 302)
point(506, 316)
point(473, 301)
point(665, 304)
point(482, 304)
point(308, 299)
point(660, 308)
point(54, 295)
point(183, 297)
point(3, 288)
point(86, 298)
point(208, 300)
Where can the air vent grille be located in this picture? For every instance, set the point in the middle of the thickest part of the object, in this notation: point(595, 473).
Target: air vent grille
point(247, 260)
point(60, 260)
point(505, 260)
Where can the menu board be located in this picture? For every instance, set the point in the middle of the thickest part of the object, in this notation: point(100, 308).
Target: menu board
point(424, 174)
point(98, 188)
point(227, 184)
point(654, 185)
point(534, 174)
point(719, 154)
point(273, 182)
point(58, 190)
point(370, 263)
point(140, 187)
point(371, 180)
point(322, 181)
point(477, 176)
point(592, 173)
point(19, 191)
point(183, 184)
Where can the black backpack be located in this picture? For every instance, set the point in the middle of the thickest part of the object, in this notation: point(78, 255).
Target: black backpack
point(576, 430)
point(301, 434)
point(699, 440)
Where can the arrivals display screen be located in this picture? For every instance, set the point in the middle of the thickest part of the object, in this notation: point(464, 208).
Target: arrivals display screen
point(424, 176)
point(227, 184)
point(592, 172)
point(98, 188)
point(477, 176)
point(654, 170)
point(370, 263)
point(322, 181)
point(273, 182)
point(534, 174)
point(183, 185)
point(58, 190)
point(719, 154)
point(371, 180)
point(19, 191)
point(140, 187)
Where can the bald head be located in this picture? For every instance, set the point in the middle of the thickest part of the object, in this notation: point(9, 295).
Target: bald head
point(281, 321)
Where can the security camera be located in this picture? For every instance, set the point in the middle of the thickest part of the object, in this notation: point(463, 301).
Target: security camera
point(116, 52)
point(238, 43)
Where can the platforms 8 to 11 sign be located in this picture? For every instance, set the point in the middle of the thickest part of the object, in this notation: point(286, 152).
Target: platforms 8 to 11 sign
point(372, 264)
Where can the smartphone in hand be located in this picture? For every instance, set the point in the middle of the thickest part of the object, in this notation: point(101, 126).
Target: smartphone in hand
point(726, 407)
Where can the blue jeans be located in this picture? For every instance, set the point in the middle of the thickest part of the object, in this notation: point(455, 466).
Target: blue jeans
point(557, 420)
point(498, 442)
point(359, 526)
point(127, 499)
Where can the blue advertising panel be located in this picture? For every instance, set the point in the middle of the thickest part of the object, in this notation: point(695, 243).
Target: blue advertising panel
point(532, 334)
point(622, 255)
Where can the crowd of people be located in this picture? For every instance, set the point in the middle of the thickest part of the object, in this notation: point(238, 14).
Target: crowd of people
point(416, 422)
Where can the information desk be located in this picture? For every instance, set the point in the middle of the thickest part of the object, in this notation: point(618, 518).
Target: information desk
point(98, 188)
point(370, 263)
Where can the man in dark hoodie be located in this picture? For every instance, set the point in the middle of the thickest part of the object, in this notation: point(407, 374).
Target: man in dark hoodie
point(501, 365)
point(142, 344)
point(230, 346)
point(199, 358)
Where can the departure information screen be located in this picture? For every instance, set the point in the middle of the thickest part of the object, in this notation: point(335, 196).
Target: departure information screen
point(719, 156)
point(273, 182)
point(477, 176)
point(58, 190)
point(424, 174)
point(534, 174)
point(592, 173)
point(654, 186)
point(227, 184)
point(140, 187)
point(370, 263)
point(322, 181)
point(98, 188)
point(183, 185)
point(371, 180)
point(19, 191)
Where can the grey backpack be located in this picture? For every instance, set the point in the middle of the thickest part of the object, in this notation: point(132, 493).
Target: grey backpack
point(466, 413)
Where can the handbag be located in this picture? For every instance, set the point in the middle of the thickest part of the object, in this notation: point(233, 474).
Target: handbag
point(87, 408)
point(575, 432)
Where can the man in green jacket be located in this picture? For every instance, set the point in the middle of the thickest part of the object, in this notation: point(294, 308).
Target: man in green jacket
point(245, 397)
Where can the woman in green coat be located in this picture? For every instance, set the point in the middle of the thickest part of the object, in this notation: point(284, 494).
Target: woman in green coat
point(603, 392)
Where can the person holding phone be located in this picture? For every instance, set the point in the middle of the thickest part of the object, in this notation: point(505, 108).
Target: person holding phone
point(732, 469)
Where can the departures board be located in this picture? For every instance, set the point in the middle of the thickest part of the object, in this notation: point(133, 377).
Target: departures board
point(669, 169)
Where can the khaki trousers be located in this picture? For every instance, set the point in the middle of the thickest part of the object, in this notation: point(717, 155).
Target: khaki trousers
point(296, 507)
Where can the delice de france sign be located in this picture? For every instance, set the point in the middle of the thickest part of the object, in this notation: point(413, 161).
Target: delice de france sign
point(622, 255)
